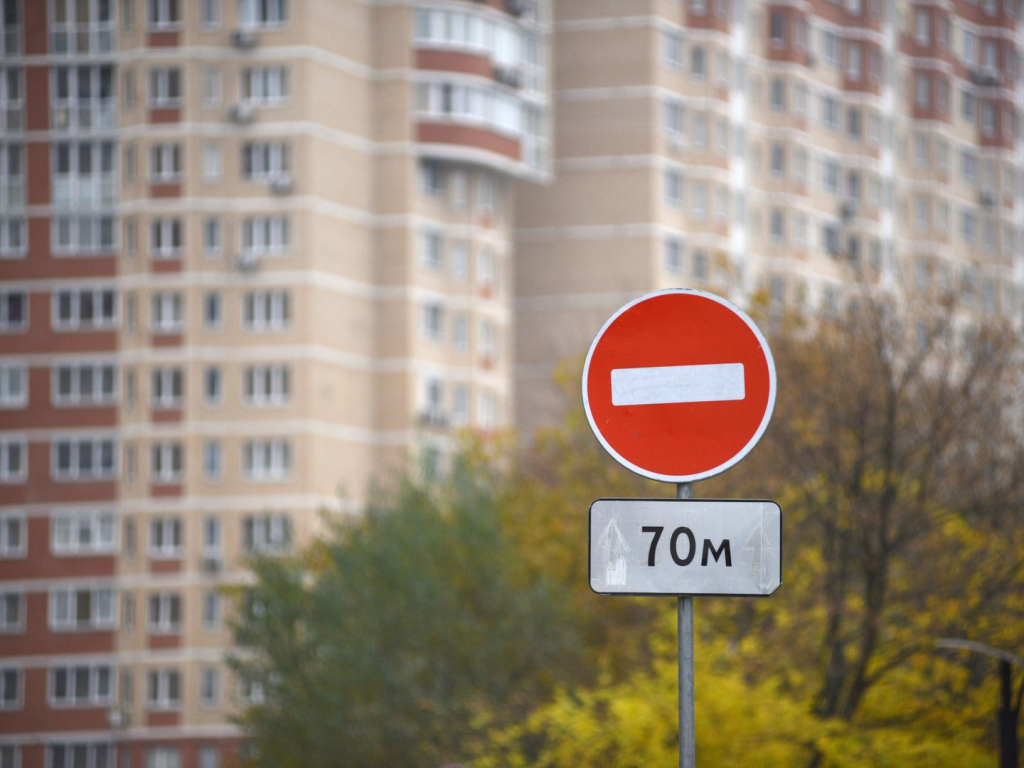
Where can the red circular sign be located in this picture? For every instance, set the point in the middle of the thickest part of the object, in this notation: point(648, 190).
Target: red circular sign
point(679, 385)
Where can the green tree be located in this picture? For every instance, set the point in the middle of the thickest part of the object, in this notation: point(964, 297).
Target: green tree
point(392, 641)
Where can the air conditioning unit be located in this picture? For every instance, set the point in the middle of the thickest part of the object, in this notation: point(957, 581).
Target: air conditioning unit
point(246, 262)
point(281, 185)
point(510, 76)
point(987, 199)
point(211, 564)
point(431, 417)
point(241, 113)
point(987, 75)
point(243, 38)
point(118, 718)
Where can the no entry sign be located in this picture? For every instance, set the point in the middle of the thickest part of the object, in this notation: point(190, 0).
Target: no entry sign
point(679, 385)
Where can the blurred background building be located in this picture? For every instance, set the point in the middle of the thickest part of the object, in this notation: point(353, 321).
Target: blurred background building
point(257, 252)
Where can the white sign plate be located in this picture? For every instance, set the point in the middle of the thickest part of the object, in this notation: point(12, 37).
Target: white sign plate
point(685, 547)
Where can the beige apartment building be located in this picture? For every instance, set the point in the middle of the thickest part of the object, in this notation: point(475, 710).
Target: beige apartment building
point(253, 254)
point(256, 253)
point(775, 147)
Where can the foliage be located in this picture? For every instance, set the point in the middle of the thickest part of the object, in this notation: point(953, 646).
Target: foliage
point(390, 642)
point(896, 453)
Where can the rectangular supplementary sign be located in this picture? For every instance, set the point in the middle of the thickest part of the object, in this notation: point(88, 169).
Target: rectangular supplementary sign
point(678, 384)
point(685, 547)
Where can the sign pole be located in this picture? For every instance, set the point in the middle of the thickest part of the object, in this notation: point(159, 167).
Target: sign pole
point(687, 724)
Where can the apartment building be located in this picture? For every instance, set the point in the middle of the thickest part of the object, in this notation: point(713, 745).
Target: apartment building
point(770, 147)
point(253, 253)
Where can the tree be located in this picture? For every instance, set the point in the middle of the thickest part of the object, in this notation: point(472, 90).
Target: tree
point(896, 451)
point(393, 641)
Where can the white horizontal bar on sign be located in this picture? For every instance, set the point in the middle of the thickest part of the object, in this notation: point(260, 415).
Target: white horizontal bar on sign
point(678, 384)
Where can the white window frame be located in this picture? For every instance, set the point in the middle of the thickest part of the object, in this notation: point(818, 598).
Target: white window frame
point(166, 538)
point(165, 87)
point(11, 521)
point(165, 160)
point(267, 385)
point(161, 608)
point(159, 690)
point(83, 533)
point(101, 320)
point(98, 447)
point(63, 606)
point(13, 384)
point(103, 384)
point(266, 460)
point(166, 462)
point(267, 534)
point(265, 311)
point(167, 387)
point(167, 312)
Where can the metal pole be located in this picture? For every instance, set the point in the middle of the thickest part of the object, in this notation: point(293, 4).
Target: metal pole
point(687, 725)
point(1007, 719)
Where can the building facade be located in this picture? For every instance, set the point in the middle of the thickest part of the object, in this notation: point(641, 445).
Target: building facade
point(253, 253)
point(256, 253)
point(786, 149)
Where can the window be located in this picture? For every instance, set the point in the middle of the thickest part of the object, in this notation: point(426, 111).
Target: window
point(213, 237)
point(83, 533)
point(165, 613)
point(699, 201)
point(209, 694)
point(922, 89)
point(266, 235)
point(165, 238)
point(968, 225)
point(82, 235)
point(13, 310)
point(166, 462)
point(212, 543)
point(673, 187)
point(167, 313)
point(672, 48)
point(988, 119)
point(165, 162)
point(264, 13)
point(967, 106)
point(921, 151)
point(213, 616)
point(84, 384)
point(213, 461)
point(674, 255)
point(10, 688)
point(853, 123)
point(777, 226)
point(777, 24)
point(82, 28)
point(830, 48)
point(675, 121)
point(12, 175)
point(263, 160)
point(778, 94)
point(85, 309)
point(460, 405)
point(854, 61)
point(488, 410)
point(922, 26)
point(163, 757)
point(80, 755)
point(922, 213)
point(164, 14)
point(264, 86)
point(209, 14)
point(13, 385)
point(12, 613)
point(213, 311)
point(778, 160)
point(83, 173)
point(251, 692)
point(213, 162)
point(267, 310)
point(459, 189)
point(487, 268)
point(266, 460)
point(165, 538)
point(485, 194)
point(699, 134)
point(460, 260)
point(460, 333)
point(830, 112)
point(164, 87)
point(81, 609)
point(267, 385)
point(266, 534)
point(212, 86)
point(431, 320)
point(163, 690)
point(12, 536)
point(488, 340)
point(432, 178)
point(432, 249)
point(969, 166)
point(697, 62)
point(167, 388)
point(83, 98)
point(13, 460)
point(84, 459)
